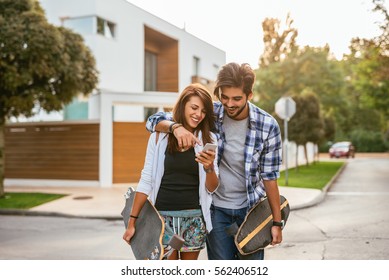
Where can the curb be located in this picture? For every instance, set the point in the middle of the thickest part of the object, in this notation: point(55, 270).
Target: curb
point(323, 192)
point(32, 213)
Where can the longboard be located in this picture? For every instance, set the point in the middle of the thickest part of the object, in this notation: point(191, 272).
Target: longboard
point(255, 231)
point(146, 244)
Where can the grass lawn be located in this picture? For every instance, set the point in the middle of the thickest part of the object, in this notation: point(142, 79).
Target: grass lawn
point(15, 200)
point(314, 176)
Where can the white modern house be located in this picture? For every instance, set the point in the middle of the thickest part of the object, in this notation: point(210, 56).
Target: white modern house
point(143, 61)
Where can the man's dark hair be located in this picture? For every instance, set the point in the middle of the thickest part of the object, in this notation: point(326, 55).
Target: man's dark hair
point(235, 75)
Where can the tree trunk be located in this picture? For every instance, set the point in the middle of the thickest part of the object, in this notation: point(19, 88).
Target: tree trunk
point(306, 154)
point(315, 153)
point(2, 155)
point(297, 157)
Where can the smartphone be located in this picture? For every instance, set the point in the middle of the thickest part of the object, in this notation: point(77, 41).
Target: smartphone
point(210, 146)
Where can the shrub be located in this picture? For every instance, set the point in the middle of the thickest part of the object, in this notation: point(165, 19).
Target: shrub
point(365, 141)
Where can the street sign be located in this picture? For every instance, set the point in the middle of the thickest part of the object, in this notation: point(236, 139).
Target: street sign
point(285, 108)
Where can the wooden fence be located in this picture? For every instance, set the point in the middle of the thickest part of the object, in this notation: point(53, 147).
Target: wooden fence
point(70, 151)
point(62, 150)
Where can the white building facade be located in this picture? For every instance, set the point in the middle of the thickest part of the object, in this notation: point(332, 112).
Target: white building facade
point(136, 52)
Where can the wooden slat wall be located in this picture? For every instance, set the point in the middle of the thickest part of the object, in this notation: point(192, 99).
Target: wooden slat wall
point(129, 150)
point(166, 49)
point(167, 79)
point(52, 151)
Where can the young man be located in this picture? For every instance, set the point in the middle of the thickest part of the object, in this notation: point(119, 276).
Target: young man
point(249, 158)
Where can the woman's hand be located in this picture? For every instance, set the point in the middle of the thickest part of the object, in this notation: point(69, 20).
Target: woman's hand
point(206, 158)
point(128, 234)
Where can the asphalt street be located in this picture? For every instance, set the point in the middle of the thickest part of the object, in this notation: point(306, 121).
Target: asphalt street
point(349, 224)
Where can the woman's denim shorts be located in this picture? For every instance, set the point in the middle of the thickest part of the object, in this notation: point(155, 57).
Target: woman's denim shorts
point(189, 224)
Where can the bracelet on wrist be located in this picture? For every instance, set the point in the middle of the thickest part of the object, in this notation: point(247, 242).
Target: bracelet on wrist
point(135, 217)
point(177, 125)
point(171, 127)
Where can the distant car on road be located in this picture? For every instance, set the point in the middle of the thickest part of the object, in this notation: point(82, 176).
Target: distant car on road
point(342, 149)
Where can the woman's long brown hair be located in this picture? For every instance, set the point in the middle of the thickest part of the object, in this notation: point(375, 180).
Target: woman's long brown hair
point(207, 124)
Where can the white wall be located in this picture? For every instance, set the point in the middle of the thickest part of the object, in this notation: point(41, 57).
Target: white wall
point(297, 152)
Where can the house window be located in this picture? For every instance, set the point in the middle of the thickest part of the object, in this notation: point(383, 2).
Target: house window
point(105, 28)
point(150, 71)
point(85, 25)
point(148, 111)
point(82, 25)
point(196, 66)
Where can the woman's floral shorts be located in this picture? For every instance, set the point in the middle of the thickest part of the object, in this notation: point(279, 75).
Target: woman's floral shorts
point(189, 224)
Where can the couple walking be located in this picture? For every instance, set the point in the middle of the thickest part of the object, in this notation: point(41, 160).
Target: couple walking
point(202, 193)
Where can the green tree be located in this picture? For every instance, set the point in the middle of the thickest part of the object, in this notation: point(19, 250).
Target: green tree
point(278, 43)
point(329, 127)
point(306, 67)
point(383, 38)
point(307, 125)
point(295, 69)
point(352, 92)
point(367, 72)
point(40, 65)
point(367, 91)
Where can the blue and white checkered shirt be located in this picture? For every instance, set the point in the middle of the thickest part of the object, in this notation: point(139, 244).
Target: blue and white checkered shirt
point(262, 151)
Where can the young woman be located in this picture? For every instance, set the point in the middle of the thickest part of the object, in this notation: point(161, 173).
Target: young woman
point(179, 182)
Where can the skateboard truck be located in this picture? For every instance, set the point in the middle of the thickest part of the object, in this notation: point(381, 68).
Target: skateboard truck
point(147, 242)
point(175, 243)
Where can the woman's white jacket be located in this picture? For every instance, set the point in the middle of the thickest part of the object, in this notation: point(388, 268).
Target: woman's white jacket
point(153, 171)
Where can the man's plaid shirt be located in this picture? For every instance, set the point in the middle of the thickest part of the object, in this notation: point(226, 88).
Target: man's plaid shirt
point(262, 151)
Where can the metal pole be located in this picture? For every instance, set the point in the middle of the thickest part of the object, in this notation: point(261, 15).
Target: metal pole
point(286, 149)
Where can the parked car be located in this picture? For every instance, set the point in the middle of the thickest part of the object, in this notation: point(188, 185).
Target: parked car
point(342, 149)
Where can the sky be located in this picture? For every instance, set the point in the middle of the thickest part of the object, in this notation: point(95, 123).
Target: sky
point(236, 26)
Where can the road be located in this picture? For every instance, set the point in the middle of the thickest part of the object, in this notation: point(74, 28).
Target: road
point(50, 238)
point(350, 224)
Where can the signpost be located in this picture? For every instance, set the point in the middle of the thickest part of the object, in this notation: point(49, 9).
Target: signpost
point(285, 108)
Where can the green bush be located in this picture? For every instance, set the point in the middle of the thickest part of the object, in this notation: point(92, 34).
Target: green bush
point(324, 147)
point(365, 141)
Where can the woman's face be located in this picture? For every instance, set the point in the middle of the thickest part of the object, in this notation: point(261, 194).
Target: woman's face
point(194, 112)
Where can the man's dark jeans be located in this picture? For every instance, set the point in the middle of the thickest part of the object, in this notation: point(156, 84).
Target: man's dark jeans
point(220, 244)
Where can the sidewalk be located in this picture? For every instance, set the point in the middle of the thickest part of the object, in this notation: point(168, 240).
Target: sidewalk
point(107, 203)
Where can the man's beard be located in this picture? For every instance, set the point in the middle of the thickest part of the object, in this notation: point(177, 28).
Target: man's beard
point(236, 114)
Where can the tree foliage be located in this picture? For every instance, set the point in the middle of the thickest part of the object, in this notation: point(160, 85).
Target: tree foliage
point(353, 93)
point(307, 67)
point(40, 65)
point(367, 76)
point(369, 67)
point(383, 39)
point(277, 43)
